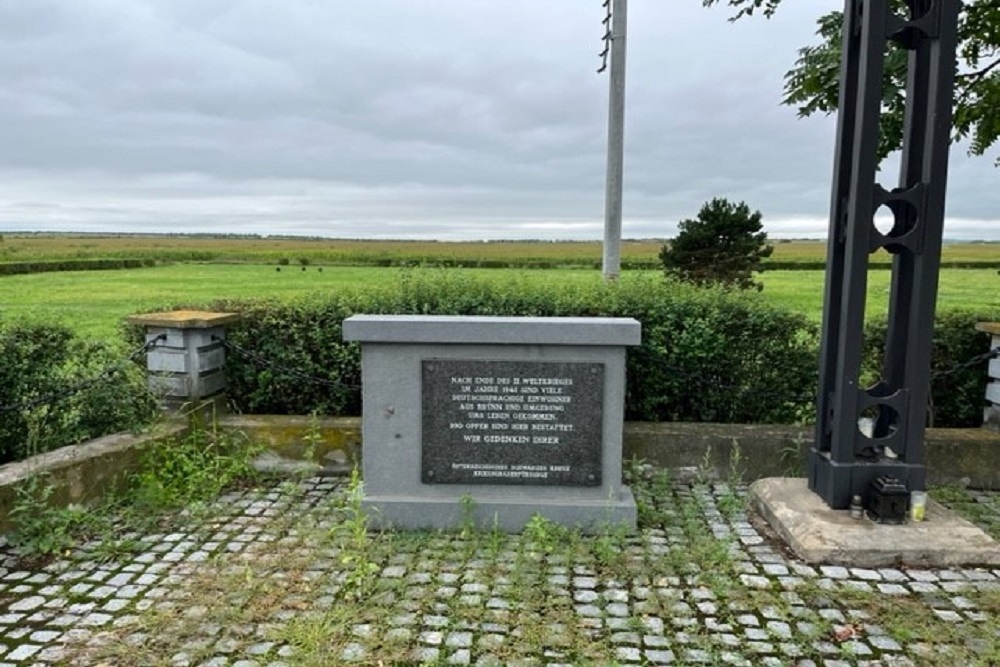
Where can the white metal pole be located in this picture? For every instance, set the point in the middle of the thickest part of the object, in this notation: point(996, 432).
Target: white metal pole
point(616, 144)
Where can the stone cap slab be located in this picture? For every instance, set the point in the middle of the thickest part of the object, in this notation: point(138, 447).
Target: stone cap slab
point(989, 327)
point(493, 330)
point(184, 319)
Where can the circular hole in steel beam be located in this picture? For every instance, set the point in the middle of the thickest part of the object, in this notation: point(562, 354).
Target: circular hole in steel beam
point(917, 9)
point(878, 421)
point(895, 218)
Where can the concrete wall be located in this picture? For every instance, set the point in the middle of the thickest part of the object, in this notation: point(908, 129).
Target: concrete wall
point(954, 456)
point(79, 473)
point(84, 472)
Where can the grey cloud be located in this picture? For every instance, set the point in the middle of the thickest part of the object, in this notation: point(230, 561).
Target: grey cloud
point(448, 119)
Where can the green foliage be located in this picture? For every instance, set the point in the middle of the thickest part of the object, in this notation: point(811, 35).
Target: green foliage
point(706, 355)
point(42, 529)
point(724, 244)
point(192, 469)
point(957, 391)
point(43, 360)
point(175, 474)
point(91, 264)
point(812, 85)
point(351, 534)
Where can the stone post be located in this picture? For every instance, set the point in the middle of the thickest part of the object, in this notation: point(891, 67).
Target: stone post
point(186, 365)
point(991, 414)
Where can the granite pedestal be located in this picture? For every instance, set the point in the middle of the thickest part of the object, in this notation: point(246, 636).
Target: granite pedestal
point(493, 420)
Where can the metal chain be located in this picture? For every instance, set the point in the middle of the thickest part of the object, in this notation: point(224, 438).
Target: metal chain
point(106, 375)
point(701, 380)
point(281, 370)
point(109, 372)
point(787, 396)
point(965, 365)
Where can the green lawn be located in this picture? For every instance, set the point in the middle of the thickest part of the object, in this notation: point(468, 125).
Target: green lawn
point(95, 302)
point(968, 289)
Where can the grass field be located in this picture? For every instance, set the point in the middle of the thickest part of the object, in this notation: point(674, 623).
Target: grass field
point(31, 247)
point(95, 302)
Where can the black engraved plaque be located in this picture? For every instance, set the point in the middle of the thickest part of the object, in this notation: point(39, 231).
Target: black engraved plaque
point(512, 422)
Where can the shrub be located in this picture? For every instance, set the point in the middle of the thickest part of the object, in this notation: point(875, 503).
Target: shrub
point(957, 392)
point(724, 244)
point(706, 355)
point(42, 266)
point(43, 360)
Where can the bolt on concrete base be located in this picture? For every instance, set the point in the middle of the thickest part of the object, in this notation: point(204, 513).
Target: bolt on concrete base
point(818, 534)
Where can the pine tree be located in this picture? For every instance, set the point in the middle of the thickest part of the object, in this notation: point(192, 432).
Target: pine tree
point(724, 244)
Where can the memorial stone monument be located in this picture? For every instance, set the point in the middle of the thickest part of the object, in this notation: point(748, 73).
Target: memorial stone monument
point(493, 419)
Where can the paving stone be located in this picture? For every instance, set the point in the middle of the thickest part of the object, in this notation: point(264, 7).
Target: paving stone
point(834, 571)
point(618, 624)
point(956, 586)
point(893, 575)
point(860, 586)
point(353, 652)
point(659, 619)
point(459, 639)
point(44, 636)
point(779, 629)
point(760, 646)
point(892, 589)
point(857, 648)
point(923, 587)
point(628, 654)
point(27, 604)
point(426, 654)
point(755, 581)
point(431, 637)
point(65, 620)
point(119, 579)
point(617, 609)
point(884, 643)
point(659, 657)
point(835, 615)
point(23, 652)
point(460, 657)
point(948, 615)
point(629, 638)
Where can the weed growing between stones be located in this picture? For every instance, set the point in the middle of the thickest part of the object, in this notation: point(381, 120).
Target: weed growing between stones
point(177, 475)
point(356, 548)
point(40, 530)
point(302, 579)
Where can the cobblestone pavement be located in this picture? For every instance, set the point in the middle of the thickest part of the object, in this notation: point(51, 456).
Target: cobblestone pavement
point(286, 575)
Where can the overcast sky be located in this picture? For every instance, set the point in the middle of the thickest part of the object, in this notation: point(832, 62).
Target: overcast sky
point(448, 119)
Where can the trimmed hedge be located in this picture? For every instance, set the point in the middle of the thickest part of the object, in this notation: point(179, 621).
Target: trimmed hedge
point(40, 360)
point(15, 268)
point(958, 393)
point(707, 355)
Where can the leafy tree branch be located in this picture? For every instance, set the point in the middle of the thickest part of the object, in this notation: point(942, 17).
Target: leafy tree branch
point(812, 84)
